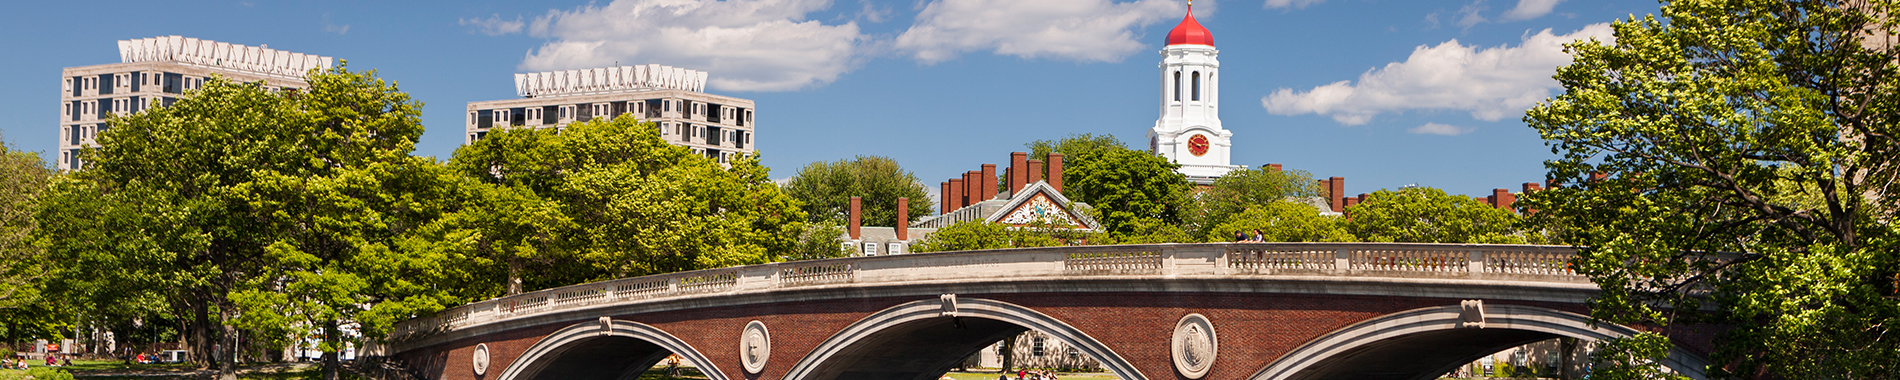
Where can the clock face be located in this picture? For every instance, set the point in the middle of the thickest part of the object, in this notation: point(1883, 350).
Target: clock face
point(1197, 145)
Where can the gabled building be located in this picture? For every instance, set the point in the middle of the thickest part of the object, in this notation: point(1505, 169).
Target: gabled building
point(1028, 202)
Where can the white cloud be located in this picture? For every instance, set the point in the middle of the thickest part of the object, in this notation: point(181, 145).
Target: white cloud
point(1468, 15)
point(1489, 83)
point(1081, 30)
point(494, 25)
point(1530, 9)
point(747, 45)
point(1440, 129)
point(1295, 4)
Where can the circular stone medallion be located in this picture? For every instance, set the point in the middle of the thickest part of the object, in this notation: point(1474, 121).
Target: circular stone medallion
point(1194, 346)
point(755, 346)
point(481, 359)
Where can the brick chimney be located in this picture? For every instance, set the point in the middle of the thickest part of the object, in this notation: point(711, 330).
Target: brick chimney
point(1532, 186)
point(1055, 171)
point(954, 197)
point(1018, 172)
point(903, 219)
point(972, 188)
point(856, 206)
point(943, 198)
point(988, 182)
point(1336, 191)
point(1502, 198)
point(1035, 172)
point(1351, 202)
point(1362, 198)
point(1273, 167)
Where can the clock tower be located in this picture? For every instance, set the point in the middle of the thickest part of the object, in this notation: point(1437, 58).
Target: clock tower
point(1189, 131)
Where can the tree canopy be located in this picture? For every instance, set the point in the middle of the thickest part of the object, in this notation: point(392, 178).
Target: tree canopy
point(826, 189)
point(608, 198)
point(1241, 190)
point(1127, 188)
point(1428, 215)
point(1734, 162)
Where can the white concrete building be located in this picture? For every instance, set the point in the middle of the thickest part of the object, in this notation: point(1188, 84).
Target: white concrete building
point(155, 72)
point(1189, 131)
point(719, 127)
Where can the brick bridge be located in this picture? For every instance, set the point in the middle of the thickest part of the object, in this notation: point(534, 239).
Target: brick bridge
point(1147, 312)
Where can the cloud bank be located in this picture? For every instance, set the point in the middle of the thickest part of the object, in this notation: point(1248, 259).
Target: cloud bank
point(1078, 30)
point(747, 45)
point(1490, 83)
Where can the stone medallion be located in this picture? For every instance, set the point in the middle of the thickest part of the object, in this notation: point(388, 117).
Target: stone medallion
point(1194, 346)
point(755, 346)
point(481, 359)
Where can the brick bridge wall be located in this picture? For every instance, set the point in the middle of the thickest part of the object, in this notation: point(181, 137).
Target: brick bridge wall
point(1254, 328)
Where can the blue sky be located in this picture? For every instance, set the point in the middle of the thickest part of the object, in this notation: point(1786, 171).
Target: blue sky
point(1384, 93)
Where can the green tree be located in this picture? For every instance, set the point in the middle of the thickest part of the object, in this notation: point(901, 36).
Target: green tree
point(1126, 186)
point(1283, 221)
point(1242, 190)
point(23, 176)
point(610, 199)
point(826, 189)
point(1733, 162)
point(1072, 146)
point(1428, 215)
point(975, 235)
point(157, 212)
point(275, 226)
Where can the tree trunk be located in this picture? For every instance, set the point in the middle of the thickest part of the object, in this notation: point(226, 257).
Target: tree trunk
point(1009, 353)
point(332, 358)
point(227, 369)
point(199, 337)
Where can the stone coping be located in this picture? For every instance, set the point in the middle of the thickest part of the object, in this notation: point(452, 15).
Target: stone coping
point(1516, 272)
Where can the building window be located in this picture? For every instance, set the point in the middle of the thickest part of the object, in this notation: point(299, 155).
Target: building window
point(66, 85)
point(66, 109)
point(1177, 86)
point(1036, 347)
point(895, 249)
point(471, 118)
point(748, 116)
point(1197, 86)
point(870, 249)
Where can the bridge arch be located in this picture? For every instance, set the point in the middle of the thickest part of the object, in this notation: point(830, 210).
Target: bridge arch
point(1435, 342)
point(615, 350)
point(955, 327)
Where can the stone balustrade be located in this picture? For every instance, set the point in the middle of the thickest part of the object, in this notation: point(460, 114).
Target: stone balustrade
point(1510, 264)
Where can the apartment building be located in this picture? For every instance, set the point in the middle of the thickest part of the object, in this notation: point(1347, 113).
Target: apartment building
point(155, 72)
point(719, 127)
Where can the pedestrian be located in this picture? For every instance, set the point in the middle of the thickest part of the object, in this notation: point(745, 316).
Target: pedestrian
point(1259, 237)
point(1240, 237)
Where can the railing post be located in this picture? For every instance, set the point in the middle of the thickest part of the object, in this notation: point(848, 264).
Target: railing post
point(1474, 263)
point(1342, 260)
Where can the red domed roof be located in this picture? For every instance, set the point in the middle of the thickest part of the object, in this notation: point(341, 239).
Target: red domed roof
point(1190, 32)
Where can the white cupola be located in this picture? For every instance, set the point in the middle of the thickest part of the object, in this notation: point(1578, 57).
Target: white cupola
point(1189, 130)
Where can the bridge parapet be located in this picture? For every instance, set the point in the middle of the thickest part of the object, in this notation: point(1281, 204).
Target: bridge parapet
point(1515, 264)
